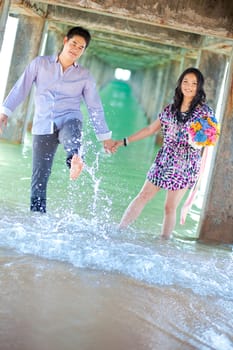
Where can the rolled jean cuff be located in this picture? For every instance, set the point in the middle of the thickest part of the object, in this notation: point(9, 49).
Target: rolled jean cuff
point(70, 156)
point(38, 204)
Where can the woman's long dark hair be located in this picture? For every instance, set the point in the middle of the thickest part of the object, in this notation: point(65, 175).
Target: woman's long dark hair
point(199, 99)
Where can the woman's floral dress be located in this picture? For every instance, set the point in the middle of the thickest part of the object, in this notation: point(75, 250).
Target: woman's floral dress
point(177, 163)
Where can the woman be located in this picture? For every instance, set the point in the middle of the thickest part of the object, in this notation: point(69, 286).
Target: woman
point(177, 164)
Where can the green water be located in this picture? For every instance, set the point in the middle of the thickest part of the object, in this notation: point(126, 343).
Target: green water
point(109, 182)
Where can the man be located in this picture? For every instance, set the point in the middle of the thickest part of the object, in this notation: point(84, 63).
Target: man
point(61, 84)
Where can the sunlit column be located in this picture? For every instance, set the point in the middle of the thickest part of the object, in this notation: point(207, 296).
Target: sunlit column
point(26, 47)
point(4, 9)
point(216, 222)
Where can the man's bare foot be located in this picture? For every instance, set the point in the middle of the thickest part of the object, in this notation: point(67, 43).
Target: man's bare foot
point(76, 167)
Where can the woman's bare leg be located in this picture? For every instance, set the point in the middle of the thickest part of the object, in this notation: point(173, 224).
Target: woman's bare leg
point(135, 208)
point(173, 199)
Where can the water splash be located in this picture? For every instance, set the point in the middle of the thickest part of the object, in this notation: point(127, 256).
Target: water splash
point(96, 181)
point(90, 244)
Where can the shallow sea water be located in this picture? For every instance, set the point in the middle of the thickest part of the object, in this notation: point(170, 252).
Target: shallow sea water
point(70, 280)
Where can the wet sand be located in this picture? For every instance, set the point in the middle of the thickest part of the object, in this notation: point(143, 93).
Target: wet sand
point(49, 305)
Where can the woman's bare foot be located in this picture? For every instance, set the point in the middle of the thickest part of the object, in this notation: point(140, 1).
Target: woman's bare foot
point(76, 167)
point(164, 236)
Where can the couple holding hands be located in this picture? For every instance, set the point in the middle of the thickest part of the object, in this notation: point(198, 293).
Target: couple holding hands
point(61, 84)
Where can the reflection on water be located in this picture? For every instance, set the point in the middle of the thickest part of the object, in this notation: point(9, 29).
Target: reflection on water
point(70, 280)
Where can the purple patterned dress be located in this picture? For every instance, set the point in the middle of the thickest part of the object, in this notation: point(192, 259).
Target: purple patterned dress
point(177, 163)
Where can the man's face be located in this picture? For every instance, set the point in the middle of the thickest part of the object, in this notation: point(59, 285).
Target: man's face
point(74, 47)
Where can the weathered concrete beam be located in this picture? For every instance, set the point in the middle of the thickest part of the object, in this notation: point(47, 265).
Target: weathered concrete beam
point(128, 27)
point(129, 59)
point(173, 34)
point(131, 28)
point(29, 8)
point(217, 45)
point(134, 53)
point(211, 17)
point(136, 43)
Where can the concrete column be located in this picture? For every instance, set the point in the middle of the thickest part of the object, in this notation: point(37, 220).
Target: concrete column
point(5, 6)
point(108, 74)
point(162, 101)
point(54, 41)
point(155, 86)
point(99, 69)
point(136, 84)
point(212, 65)
point(147, 90)
point(151, 86)
point(216, 223)
point(101, 72)
point(172, 77)
point(30, 104)
point(188, 62)
point(168, 81)
point(159, 90)
point(27, 43)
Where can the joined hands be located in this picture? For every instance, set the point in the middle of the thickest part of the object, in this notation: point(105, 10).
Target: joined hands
point(111, 146)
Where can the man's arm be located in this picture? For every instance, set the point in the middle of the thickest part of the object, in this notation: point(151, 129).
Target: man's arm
point(96, 114)
point(19, 91)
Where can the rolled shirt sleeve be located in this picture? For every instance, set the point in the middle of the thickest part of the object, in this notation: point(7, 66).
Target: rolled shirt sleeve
point(6, 111)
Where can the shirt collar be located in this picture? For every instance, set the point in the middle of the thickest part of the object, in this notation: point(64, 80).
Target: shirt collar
point(56, 59)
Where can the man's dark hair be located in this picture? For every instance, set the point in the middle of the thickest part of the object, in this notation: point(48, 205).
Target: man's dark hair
point(81, 32)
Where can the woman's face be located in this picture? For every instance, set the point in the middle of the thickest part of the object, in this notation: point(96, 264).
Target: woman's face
point(189, 85)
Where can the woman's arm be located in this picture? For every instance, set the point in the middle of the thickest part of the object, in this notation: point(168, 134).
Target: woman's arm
point(141, 134)
point(145, 132)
